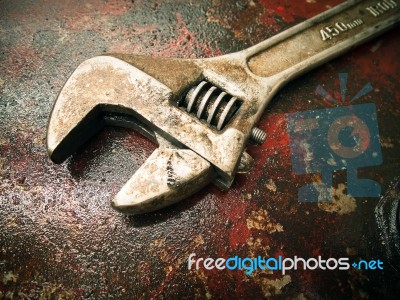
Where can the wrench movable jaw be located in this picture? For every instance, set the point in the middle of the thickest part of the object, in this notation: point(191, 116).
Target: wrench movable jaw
point(167, 176)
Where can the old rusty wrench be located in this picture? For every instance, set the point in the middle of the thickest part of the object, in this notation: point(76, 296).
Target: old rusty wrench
point(201, 112)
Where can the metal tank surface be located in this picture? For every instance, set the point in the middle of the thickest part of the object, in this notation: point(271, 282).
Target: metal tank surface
point(320, 187)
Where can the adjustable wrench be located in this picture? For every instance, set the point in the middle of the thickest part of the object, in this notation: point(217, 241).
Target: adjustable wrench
point(201, 112)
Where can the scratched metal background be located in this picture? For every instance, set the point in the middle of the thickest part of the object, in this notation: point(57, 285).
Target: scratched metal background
point(59, 237)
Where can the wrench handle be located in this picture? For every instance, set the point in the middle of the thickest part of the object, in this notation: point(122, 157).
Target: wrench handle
point(319, 39)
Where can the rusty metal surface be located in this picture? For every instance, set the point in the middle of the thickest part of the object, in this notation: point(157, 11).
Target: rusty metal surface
point(60, 238)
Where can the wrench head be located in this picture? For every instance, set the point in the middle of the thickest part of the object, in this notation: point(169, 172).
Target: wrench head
point(147, 91)
point(104, 85)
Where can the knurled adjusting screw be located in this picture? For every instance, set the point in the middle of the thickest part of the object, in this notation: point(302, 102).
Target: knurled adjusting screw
point(258, 135)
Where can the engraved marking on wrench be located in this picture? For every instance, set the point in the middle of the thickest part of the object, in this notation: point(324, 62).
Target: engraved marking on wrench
point(334, 30)
point(381, 7)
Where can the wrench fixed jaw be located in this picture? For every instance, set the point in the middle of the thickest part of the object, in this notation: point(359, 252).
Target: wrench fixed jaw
point(106, 83)
point(61, 145)
point(98, 85)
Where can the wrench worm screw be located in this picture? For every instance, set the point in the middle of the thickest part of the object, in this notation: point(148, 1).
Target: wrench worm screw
point(258, 135)
point(209, 103)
